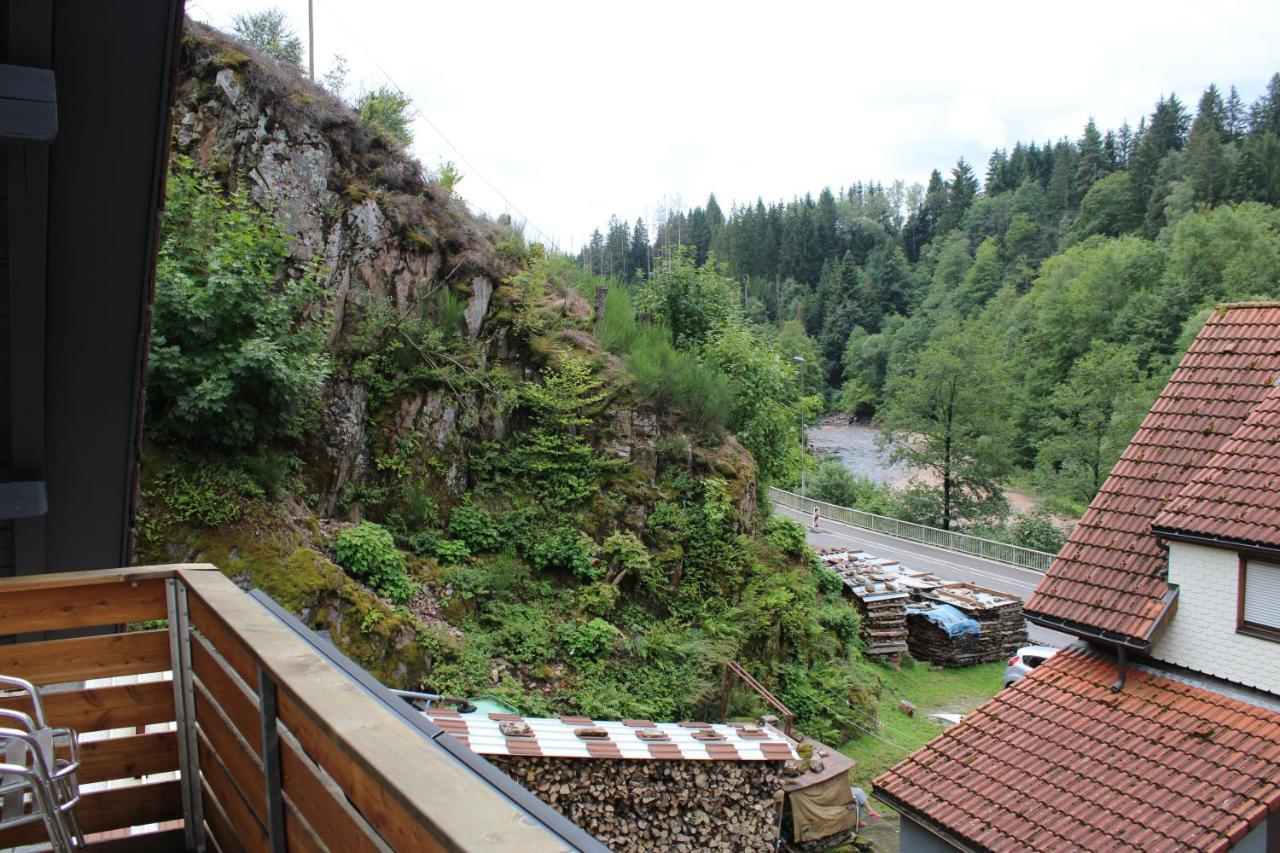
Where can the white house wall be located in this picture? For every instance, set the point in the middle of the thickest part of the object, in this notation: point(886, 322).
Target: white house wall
point(1202, 635)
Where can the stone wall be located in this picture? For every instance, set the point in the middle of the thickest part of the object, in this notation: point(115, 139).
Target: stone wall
point(659, 805)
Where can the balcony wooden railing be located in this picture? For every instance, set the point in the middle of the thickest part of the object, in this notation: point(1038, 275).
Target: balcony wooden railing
point(257, 742)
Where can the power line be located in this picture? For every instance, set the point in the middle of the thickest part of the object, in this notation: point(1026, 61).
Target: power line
point(839, 716)
point(418, 113)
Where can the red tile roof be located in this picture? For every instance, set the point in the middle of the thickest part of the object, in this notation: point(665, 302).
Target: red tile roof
point(1060, 762)
point(1237, 495)
point(1110, 576)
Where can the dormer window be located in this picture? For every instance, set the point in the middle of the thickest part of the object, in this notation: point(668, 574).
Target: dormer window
point(1258, 602)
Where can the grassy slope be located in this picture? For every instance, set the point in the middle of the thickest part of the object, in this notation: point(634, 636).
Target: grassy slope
point(930, 690)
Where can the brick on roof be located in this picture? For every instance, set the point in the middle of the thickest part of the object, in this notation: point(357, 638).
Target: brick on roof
point(1110, 575)
point(1237, 495)
point(1060, 762)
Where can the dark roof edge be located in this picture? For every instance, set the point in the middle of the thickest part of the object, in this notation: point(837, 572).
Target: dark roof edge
point(1215, 541)
point(1085, 632)
point(926, 822)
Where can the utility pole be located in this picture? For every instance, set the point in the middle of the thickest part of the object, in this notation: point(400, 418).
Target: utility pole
point(804, 437)
point(311, 36)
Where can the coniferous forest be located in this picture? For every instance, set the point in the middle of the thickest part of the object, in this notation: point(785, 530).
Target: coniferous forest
point(1006, 322)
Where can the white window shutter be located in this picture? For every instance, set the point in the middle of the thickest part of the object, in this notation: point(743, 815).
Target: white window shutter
point(1262, 594)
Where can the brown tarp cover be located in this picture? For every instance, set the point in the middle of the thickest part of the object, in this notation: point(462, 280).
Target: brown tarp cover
point(822, 809)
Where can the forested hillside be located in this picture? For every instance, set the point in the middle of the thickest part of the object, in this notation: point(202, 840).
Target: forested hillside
point(1013, 324)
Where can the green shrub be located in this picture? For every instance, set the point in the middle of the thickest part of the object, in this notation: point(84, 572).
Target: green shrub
point(832, 482)
point(474, 526)
point(592, 640)
point(668, 378)
point(235, 363)
point(625, 555)
point(521, 632)
point(451, 552)
point(368, 552)
point(385, 111)
point(567, 549)
point(785, 535)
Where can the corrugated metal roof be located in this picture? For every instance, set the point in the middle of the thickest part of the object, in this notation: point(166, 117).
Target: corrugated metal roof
point(558, 738)
point(1060, 762)
point(1109, 576)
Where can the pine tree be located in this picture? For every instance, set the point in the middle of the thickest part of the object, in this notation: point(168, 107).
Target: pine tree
point(1206, 167)
point(1091, 162)
point(962, 189)
point(639, 260)
point(1166, 133)
point(1265, 114)
point(1236, 116)
point(1213, 109)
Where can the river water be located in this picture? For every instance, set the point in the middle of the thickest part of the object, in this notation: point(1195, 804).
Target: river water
point(855, 446)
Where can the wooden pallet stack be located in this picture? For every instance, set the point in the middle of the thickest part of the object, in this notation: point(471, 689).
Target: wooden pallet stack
point(870, 583)
point(1002, 627)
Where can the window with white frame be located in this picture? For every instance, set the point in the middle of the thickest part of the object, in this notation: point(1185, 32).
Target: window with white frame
point(1259, 604)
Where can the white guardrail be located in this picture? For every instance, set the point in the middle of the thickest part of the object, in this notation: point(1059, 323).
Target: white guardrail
point(988, 549)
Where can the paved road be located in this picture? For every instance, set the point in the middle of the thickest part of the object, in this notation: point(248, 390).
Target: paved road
point(948, 565)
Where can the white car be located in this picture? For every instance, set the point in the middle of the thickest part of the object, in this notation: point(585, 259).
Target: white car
point(946, 719)
point(1027, 659)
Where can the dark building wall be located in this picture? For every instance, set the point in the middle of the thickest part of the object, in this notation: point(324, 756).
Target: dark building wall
point(917, 839)
point(82, 225)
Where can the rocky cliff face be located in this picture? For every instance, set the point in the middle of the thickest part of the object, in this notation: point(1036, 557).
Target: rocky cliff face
point(380, 231)
point(390, 243)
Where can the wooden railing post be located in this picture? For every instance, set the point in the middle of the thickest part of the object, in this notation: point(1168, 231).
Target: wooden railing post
point(271, 761)
point(185, 715)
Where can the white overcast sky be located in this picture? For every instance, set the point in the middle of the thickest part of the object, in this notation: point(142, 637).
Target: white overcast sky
point(574, 111)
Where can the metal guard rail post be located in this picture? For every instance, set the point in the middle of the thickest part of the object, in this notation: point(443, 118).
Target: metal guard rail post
point(964, 543)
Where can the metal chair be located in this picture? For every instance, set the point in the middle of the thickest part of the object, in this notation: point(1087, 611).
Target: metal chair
point(42, 746)
point(26, 794)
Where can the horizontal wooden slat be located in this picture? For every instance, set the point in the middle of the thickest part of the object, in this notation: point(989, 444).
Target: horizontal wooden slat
point(325, 810)
point(228, 693)
point(114, 808)
point(396, 826)
point(247, 830)
point(218, 834)
point(164, 841)
point(227, 644)
point(99, 576)
point(99, 708)
point(298, 836)
point(80, 607)
point(244, 768)
point(128, 757)
point(82, 658)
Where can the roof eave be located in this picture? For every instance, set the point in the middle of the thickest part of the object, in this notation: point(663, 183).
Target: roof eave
point(1176, 535)
point(925, 821)
point(1141, 645)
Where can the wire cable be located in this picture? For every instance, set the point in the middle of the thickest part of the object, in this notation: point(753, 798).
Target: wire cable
point(862, 728)
point(418, 113)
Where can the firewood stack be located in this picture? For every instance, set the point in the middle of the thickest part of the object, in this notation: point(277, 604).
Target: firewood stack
point(659, 805)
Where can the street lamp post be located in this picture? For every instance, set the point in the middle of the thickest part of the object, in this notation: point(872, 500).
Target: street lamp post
point(804, 438)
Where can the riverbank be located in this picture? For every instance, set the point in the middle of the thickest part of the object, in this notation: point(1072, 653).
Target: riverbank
point(857, 447)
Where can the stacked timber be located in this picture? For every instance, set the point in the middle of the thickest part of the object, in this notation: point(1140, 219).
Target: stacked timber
point(874, 587)
point(1002, 630)
point(659, 805)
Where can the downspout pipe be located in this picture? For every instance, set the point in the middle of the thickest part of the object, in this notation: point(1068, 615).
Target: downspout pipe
point(1122, 668)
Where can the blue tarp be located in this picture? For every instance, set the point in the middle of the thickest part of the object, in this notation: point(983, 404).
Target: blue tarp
point(952, 620)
